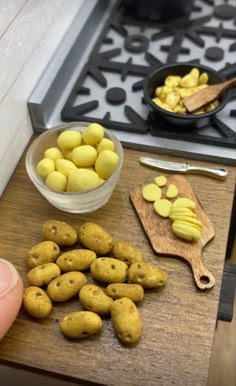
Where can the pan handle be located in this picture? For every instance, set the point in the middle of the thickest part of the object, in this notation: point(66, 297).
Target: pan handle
point(203, 278)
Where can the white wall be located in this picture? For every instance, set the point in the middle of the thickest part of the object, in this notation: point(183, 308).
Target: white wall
point(30, 31)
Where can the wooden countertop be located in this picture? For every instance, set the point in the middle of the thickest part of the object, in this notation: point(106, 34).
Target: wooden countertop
point(178, 321)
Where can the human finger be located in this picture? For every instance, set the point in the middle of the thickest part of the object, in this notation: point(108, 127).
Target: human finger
point(11, 292)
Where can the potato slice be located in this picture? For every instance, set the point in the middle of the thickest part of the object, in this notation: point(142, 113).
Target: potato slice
point(172, 81)
point(203, 78)
point(172, 99)
point(172, 191)
point(195, 73)
point(186, 231)
point(188, 221)
point(181, 212)
point(179, 109)
point(162, 207)
point(160, 181)
point(184, 203)
point(188, 81)
point(151, 192)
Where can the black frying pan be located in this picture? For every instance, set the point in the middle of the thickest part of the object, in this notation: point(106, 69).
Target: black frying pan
point(156, 79)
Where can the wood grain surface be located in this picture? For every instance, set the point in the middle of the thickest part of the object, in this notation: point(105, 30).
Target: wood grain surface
point(162, 238)
point(178, 320)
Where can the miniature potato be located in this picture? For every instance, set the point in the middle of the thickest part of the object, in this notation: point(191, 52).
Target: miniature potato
point(160, 181)
point(172, 191)
point(126, 320)
point(66, 286)
point(95, 237)
point(67, 153)
point(106, 163)
point(162, 207)
point(69, 139)
point(60, 232)
point(151, 192)
point(80, 324)
point(82, 180)
point(42, 253)
point(45, 167)
point(93, 298)
point(56, 181)
point(105, 144)
point(43, 274)
point(65, 166)
point(93, 134)
point(76, 260)
point(84, 155)
point(134, 292)
point(36, 302)
point(147, 275)
point(53, 153)
point(109, 270)
point(126, 252)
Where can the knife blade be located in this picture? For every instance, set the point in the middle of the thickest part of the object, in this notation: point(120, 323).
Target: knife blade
point(218, 173)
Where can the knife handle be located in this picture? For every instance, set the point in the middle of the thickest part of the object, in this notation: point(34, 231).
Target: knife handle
point(218, 173)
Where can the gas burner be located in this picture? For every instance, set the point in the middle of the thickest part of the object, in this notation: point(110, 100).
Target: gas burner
point(159, 128)
point(214, 54)
point(225, 12)
point(116, 95)
point(219, 32)
point(136, 44)
point(109, 87)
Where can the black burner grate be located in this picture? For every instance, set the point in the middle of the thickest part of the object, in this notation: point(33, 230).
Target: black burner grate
point(226, 137)
point(83, 104)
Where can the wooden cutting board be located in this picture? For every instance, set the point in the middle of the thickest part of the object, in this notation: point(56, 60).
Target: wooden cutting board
point(163, 240)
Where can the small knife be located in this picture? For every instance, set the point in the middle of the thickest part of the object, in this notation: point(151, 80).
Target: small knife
point(218, 173)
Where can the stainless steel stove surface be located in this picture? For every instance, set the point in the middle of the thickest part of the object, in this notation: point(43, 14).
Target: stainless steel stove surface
point(99, 78)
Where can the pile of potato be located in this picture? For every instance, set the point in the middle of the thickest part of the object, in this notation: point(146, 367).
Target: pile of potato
point(185, 223)
point(170, 95)
point(56, 276)
point(81, 162)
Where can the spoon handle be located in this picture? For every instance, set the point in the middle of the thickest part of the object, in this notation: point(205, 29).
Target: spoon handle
point(228, 84)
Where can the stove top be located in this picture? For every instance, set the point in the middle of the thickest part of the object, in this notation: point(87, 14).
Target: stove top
point(106, 75)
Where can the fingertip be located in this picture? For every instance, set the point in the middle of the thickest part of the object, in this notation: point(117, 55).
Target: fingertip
point(10, 304)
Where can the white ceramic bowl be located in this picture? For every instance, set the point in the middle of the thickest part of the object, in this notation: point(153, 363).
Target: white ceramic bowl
point(73, 202)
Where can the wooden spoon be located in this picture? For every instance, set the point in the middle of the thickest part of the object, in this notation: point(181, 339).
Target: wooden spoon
point(207, 95)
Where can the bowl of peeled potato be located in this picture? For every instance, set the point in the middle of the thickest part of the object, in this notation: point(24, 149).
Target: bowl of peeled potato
point(75, 166)
point(167, 87)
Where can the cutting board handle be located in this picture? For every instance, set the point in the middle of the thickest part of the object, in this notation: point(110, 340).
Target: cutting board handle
point(203, 278)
